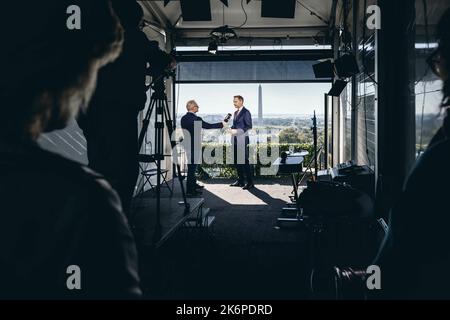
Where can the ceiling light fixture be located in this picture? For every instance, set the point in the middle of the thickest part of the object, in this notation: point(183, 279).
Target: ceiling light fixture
point(220, 35)
point(223, 34)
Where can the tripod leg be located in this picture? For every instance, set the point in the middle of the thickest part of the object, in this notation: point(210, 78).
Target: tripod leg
point(145, 124)
point(159, 156)
point(160, 104)
point(169, 124)
point(158, 231)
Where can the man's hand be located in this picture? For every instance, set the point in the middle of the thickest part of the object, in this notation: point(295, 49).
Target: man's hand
point(224, 124)
point(234, 132)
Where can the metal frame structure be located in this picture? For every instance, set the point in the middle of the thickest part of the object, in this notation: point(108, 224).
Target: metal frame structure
point(254, 55)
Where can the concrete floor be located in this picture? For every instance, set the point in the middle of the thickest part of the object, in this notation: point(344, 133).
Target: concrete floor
point(244, 255)
point(267, 193)
point(245, 258)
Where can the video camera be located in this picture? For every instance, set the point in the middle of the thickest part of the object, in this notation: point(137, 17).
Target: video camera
point(161, 66)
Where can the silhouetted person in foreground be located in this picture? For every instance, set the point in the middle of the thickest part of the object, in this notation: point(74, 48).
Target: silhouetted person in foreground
point(111, 123)
point(415, 256)
point(62, 233)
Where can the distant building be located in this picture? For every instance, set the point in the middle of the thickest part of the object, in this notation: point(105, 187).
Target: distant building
point(260, 106)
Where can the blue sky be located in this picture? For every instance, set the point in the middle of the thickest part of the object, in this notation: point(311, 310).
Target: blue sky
point(287, 98)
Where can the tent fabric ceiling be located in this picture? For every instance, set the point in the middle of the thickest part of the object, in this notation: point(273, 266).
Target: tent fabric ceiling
point(304, 25)
point(234, 15)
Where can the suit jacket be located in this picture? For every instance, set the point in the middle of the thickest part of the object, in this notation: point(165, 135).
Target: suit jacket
point(242, 121)
point(188, 122)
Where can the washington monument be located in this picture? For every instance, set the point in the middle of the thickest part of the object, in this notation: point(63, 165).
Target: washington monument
point(260, 106)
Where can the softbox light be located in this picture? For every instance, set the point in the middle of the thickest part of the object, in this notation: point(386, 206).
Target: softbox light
point(337, 88)
point(346, 66)
point(278, 9)
point(324, 69)
point(196, 10)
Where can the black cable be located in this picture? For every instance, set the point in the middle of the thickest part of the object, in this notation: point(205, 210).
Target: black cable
point(358, 104)
point(223, 13)
point(422, 116)
point(347, 46)
point(313, 13)
point(364, 48)
point(427, 38)
point(417, 94)
point(317, 41)
point(246, 16)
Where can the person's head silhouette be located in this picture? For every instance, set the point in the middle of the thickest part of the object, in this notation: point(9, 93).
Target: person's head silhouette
point(48, 68)
point(130, 13)
point(440, 59)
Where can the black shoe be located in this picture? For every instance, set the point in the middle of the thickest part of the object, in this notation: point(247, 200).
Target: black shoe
point(237, 184)
point(199, 187)
point(248, 186)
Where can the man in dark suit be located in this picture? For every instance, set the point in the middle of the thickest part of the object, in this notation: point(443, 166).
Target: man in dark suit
point(242, 122)
point(192, 124)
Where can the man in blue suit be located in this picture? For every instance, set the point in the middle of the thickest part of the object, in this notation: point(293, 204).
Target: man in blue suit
point(242, 123)
point(193, 126)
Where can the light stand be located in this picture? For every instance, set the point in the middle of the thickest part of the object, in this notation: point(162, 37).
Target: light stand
point(314, 130)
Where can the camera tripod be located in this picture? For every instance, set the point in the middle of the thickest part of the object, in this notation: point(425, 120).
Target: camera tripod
point(159, 104)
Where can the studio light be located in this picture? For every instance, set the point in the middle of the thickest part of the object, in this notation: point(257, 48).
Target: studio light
point(223, 33)
point(346, 66)
point(337, 88)
point(196, 10)
point(220, 35)
point(278, 9)
point(212, 48)
point(324, 69)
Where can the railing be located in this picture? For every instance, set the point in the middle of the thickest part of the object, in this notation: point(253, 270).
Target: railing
point(226, 169)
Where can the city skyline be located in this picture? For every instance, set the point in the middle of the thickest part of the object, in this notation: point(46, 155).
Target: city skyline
point(279, 99)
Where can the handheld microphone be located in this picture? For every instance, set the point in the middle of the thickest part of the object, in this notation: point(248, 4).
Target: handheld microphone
point(227, 118)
